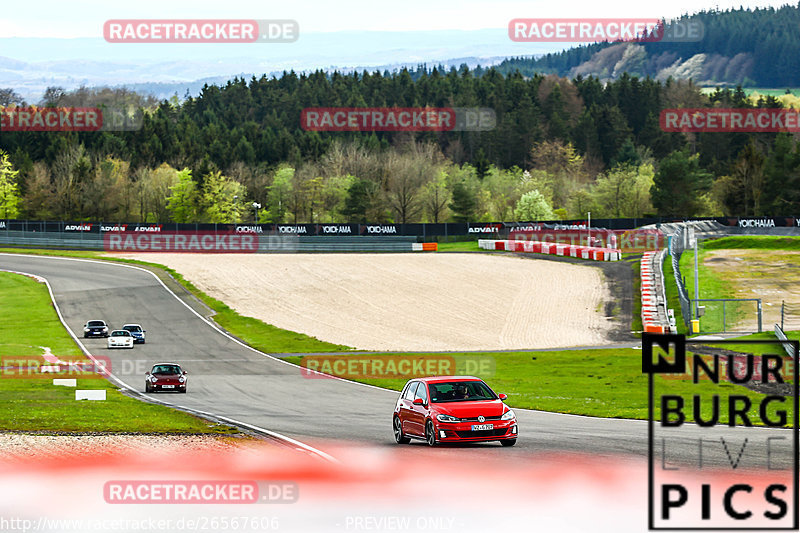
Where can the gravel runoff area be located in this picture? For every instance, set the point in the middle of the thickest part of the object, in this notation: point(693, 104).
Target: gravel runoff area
point(26, 446)
point(414, 302)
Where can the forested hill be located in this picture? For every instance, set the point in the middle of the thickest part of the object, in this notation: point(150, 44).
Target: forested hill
point(758, 47)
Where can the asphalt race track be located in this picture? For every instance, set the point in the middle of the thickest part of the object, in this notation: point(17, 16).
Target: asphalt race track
point(233, 381)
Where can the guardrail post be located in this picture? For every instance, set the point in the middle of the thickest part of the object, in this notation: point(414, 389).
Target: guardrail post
point(759, 315)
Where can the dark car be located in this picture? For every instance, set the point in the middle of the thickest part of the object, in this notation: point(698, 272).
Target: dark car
point(165, 377)
point(136, 331)
point(95, 328)
point(452, 409)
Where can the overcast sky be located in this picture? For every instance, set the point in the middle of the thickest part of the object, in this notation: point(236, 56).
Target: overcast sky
point(56, 18)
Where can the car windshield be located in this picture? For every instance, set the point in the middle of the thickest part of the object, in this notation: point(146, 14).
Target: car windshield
point(166, 369)
point(132, 328)
point(460, 391)
point(95, 323)
point(120, 333)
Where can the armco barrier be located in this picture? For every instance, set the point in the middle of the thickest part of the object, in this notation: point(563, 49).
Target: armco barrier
point(267, 242)
point(782, 337)
point(549, 248)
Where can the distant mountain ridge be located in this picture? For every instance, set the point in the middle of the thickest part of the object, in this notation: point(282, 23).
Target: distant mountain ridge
point(30, 65)
point(758, 47)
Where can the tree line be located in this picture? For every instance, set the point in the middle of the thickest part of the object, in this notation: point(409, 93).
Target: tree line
point(561, 148)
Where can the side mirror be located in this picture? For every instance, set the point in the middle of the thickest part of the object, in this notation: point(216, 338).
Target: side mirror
point(147, 373)
point(418, 401)
point(503, 397)
point(185, 372)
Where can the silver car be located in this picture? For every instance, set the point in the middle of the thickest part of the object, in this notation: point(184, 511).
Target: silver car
point(120, 338)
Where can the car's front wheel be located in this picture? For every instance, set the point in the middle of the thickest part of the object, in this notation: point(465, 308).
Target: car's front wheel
point(508, 442)
point(148, 387)
point(430, 434)
point(398, 432)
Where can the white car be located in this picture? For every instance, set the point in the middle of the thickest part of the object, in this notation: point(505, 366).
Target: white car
point(120, 338)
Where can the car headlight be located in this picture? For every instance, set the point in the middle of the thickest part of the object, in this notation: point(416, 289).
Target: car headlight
point(181, 379)
point(86, 330)
point(447, 418)
point(105, 328)
point(508, 415)
point(153, 379)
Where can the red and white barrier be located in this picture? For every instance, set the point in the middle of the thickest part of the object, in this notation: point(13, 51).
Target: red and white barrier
point(551, 248)
point(650, 319)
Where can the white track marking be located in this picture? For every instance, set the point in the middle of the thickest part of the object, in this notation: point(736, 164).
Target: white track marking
point(297, 444)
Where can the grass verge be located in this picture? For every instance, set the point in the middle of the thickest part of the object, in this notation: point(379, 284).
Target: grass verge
point(464, 246)
point(761, 349)
point(595, 382)
point(28, 322)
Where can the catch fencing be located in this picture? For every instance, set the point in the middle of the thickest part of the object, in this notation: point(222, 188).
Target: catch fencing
point(678, 242)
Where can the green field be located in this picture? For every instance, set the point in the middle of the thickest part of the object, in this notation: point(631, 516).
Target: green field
point(756, 267)
point(753, 242)
point(714, 287)
point(28, 322)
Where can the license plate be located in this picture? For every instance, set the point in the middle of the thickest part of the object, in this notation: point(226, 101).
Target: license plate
point(167, 386)
point(481, 427)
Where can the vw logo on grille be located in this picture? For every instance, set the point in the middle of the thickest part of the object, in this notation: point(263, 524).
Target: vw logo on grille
point(481, 419)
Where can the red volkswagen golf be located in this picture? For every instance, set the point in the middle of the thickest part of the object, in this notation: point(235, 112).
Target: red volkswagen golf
point(452, 409)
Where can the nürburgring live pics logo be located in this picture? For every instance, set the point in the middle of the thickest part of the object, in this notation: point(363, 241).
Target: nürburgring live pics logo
point(709, 467)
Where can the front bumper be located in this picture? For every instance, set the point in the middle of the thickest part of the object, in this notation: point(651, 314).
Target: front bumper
point(462, 431)
point(120, 345)
point(96, 333)
point(169, 386)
